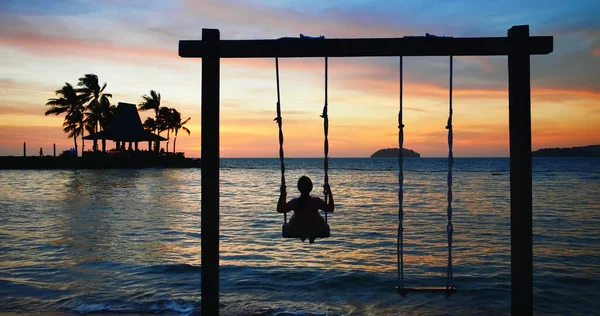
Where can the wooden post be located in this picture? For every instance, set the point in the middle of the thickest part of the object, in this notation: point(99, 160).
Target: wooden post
point(54, 147)
point(519, 107)
point(24, 149)
point(210, 173)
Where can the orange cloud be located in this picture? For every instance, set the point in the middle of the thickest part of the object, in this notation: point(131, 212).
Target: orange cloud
point(481, 62)
point(74, 47)
point(596, 51)
point(566, 92)
point(544, 137)
point(26, 110)
point(390, 89)
point(372, 80)
point(248, 132)
point(39, 44)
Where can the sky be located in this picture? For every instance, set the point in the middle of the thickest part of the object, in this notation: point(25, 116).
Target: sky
point(133, 47)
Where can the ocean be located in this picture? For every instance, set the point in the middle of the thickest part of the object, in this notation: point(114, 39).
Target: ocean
point(128, 240)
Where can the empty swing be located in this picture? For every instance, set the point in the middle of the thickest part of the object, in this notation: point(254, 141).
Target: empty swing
point(286, 230)
point(449, 289)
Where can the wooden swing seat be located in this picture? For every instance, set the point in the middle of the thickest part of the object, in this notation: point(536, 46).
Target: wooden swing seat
point(288, 232)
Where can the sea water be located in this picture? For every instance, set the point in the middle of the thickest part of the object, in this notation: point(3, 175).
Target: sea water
point(128, 241)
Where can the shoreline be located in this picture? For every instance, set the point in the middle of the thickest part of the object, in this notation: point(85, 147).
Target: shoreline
point(97, 162)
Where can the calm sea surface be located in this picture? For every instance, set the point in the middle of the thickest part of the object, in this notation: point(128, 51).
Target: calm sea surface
point(128, 241)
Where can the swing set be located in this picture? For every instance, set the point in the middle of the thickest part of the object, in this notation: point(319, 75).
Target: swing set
point(518, 46)
point(449, 289)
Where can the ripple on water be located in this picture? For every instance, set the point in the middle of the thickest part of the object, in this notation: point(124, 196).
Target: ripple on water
point(128, 241)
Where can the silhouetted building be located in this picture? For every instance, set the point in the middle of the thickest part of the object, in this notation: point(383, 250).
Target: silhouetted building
point(127, 127)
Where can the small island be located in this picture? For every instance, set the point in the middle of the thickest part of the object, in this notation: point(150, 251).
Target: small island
point(394, 153)
point(583, 151)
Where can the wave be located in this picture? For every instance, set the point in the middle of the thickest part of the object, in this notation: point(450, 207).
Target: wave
point(188, 309)
point(174, 268)
point(181, 308)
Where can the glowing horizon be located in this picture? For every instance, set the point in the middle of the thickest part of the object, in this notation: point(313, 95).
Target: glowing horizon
point(45, 46)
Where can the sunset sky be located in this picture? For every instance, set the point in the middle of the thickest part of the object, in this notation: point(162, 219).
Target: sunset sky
point(133, 47)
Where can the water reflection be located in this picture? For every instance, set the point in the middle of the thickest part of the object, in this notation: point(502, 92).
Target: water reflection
point(91, 236)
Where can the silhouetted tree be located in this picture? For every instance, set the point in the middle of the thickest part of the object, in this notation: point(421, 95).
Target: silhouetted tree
point(98, 106)
point(92, 116)
point(152, 102)
point(149, 124)
point(177, 124)
point(109, 115)
point(165, 122)
point(70, 103)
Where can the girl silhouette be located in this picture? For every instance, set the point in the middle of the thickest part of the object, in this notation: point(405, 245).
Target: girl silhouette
point(306, 220)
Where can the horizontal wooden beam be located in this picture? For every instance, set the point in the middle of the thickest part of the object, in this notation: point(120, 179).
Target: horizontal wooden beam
point(366, 47)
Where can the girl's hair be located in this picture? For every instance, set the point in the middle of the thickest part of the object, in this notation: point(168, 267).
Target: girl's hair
point(304, 186)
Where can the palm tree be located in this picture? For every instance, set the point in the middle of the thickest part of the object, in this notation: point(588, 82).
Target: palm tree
point(108, 115)
point(177, 124)
point(149, 124)
point(98, 106)
point(89, 126)
point(92, 117)
point(152, 102)
point(69, 102)
point(73, 125)
point(164, 123)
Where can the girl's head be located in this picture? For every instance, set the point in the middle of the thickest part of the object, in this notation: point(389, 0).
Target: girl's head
point(305, 185)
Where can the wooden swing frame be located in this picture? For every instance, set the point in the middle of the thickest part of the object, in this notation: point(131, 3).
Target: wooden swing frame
point(518, 46)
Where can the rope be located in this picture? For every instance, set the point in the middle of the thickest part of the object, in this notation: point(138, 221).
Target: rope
point(326, 144)
point(400, 239)
point(450, 229)
point(278, 119)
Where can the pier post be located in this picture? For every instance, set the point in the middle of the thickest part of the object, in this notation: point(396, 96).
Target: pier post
point(210, 173)
point(54, 147)
point(24, 149)
point(519, 108)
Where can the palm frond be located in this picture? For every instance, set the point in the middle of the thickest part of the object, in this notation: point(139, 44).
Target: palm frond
point(89, 128)
point(55, 111)
point(149, 124)
point(57, 102)
point(155, 95)
point(89, 81)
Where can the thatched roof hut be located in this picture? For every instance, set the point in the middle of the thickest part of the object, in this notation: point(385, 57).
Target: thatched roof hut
point(126, 127)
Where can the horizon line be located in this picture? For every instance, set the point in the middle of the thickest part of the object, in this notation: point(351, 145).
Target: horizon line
point(358, 157)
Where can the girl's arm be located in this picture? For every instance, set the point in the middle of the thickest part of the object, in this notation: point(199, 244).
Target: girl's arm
point(282, 205)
